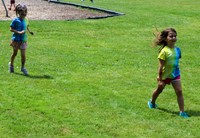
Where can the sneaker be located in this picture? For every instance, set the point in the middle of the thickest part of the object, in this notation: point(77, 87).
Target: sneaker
point(10, 68)
point(24, 71)
point(151, 105)
point(184, 115)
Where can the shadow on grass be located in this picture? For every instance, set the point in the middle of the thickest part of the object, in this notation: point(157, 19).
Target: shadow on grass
point(168, 111)
point(190, 112)
point(35, 76)
point(193, 113)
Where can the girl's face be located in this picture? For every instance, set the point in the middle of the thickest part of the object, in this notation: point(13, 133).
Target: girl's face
point(171, 38)
point(22, 13)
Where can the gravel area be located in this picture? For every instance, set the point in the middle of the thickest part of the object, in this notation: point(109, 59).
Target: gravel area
point(43, 10)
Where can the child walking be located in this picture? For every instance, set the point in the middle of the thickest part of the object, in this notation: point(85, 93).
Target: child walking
point(12, 2)
point(19, 26)
point(168, 70)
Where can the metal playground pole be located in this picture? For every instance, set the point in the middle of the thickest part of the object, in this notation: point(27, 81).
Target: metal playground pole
point(5, 8)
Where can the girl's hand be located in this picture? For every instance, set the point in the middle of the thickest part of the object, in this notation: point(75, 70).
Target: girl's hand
point(31, 33)
point(160, 82)
point(158, 79)
point(21, 32)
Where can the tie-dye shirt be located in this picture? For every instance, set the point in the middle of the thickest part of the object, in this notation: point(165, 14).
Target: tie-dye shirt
point(19, 25)
point(171, 57)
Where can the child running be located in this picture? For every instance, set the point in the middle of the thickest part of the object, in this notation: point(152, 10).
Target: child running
point(168, 71)
point(19, 26)
point(12, 2)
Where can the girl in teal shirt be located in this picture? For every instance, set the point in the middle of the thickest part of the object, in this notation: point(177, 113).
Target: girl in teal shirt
point(19, 26)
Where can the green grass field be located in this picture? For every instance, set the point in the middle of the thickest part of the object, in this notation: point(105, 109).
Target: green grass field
point(93, 78)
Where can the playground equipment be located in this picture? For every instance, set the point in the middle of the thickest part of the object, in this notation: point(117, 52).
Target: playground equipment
point(112, 13)
point(5, 8)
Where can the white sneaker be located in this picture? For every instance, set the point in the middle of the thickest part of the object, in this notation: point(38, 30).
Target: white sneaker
point(24, 71)
point(10, 68)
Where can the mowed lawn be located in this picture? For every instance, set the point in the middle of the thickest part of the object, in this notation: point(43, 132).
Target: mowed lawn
point(93, 78)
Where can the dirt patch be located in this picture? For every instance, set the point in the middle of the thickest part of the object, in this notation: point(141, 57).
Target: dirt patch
point(43, 10)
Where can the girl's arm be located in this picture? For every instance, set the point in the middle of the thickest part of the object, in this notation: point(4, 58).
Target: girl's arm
point(17, 32)
point(160, 69)
point(29, 30)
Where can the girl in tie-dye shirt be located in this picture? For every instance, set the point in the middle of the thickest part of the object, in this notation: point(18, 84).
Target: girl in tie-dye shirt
point(168, 71)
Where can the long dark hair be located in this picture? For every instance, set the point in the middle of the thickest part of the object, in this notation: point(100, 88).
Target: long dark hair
point(160, 38)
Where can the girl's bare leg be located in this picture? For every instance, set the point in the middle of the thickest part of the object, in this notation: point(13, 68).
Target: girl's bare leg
point(157, 92)
point(178, 90)
point(14, 54)
point(23, 57)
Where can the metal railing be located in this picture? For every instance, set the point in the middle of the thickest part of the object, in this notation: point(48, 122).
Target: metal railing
point(5, 8)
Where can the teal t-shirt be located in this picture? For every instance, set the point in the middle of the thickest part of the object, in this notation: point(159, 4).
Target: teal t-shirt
point(171, 57)
point(19, 25)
